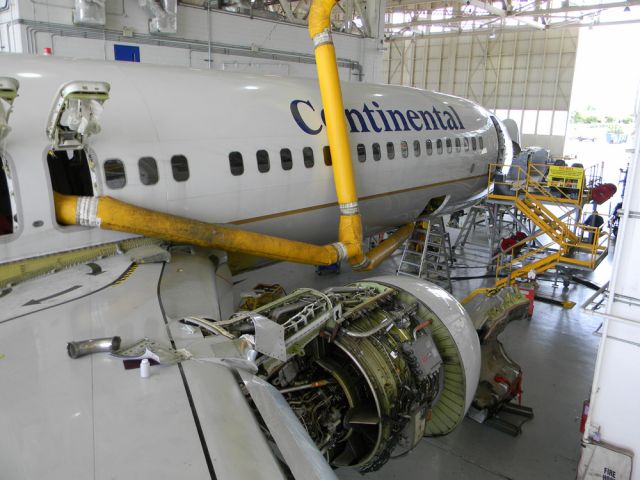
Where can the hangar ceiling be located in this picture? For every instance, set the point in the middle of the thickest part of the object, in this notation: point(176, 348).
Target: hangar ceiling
point(411, 18)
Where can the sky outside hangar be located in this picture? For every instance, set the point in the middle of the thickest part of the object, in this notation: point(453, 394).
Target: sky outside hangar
point(378, 120)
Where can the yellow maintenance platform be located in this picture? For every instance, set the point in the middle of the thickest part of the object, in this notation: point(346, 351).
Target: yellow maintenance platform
point(552, 198)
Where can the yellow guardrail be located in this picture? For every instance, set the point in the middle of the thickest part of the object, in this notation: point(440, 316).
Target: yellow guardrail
point(506, 261)
point(591, 250)
point(556, 184)
point(500, 187)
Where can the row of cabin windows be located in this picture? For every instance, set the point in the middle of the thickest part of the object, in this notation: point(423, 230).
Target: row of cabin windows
point(115, 176)
point(236, 162)
point(472, 144)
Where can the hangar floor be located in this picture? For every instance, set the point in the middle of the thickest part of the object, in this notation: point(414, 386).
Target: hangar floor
point(557, 351)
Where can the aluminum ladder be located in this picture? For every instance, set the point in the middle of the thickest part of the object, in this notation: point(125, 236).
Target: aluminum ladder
point(427, 252)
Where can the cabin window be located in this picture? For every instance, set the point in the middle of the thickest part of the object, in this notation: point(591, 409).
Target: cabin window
point(286, 159)
point(416, 148)
point(466, 144)
point(362, 153)
point(449, 146)
point(458, 145)
point(439, 146)
point(473, 143)
point(326, 154)
point(6, 212)
point(180, 168)
point(307, 157)
point(148, 169)
point(70, 172)
point(114, 173)
point(480, 143)
point(376, 152)
point(236, 164)
point(263, 161)
point(404, 149)
point(429, 147)
point(391, 153)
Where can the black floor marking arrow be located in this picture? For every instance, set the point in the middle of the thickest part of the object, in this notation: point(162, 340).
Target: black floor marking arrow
point(95, 269)
point(40, 300)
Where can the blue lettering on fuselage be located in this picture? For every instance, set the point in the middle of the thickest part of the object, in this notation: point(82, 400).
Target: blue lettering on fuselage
point(295, 111)
point(392, 120)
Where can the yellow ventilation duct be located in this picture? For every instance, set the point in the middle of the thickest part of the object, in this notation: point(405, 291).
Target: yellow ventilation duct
point(350, 234)
point(111, 214)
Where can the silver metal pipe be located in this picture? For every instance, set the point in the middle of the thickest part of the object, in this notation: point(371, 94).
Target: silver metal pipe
point(95, 345)
point(329, 290)
point(367, 333)
point(292, 307)
point(307, 386)
point(209, 31)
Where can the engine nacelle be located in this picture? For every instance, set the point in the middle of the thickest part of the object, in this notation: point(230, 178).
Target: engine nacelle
point(369, 368)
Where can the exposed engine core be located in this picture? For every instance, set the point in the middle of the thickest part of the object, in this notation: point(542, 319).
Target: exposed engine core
point(369, 368)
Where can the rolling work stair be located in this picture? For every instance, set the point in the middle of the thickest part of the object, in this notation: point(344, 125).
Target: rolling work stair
point(565, 246)
point(426, 254)
point(544, 219)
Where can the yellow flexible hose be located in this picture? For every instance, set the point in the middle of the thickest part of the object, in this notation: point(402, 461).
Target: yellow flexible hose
point(112, 214)
point(350, 233)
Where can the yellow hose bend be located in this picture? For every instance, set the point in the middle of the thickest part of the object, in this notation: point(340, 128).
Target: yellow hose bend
point(320, 16)
point(376, 255)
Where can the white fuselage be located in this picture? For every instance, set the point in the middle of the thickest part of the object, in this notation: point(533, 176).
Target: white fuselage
point(162, 112)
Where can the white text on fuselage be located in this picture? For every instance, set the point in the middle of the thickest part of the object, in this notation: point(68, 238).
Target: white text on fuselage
point(377, 120)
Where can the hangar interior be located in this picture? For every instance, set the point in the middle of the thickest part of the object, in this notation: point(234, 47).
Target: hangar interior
point(564, 385)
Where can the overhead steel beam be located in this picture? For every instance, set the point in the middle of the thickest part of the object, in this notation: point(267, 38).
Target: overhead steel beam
point(507, 29)
point(519, 12)
point(577, 8)
point(460, 19)
point(504, 14)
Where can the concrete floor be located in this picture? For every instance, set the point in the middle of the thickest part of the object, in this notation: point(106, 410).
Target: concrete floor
point(557, 351)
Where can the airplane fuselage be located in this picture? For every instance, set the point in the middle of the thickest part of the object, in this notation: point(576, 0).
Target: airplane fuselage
point(240, 149)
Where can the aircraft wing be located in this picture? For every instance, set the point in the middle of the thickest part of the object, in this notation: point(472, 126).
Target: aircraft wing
point(91, 417)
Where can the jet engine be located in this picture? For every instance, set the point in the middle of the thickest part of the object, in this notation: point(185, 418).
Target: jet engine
point(368, 368)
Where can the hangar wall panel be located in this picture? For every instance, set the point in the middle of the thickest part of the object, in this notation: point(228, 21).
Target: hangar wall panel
point(614, 416)
point(526, 75)
point(268, 46)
